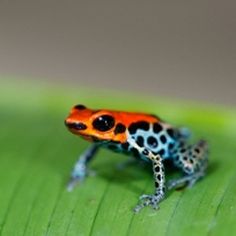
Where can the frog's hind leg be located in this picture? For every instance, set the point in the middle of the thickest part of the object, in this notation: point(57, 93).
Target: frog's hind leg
point(192, 160)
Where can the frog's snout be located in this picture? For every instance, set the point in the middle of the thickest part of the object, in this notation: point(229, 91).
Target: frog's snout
point(75, 125)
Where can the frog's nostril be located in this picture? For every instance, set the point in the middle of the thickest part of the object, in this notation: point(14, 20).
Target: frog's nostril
point(78, 126)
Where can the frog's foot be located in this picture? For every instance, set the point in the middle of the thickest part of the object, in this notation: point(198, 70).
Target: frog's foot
point(186, 181)
point(77, 178)
point(80, 170)
point(73, 182)
point(149, 200)
point(194, 178)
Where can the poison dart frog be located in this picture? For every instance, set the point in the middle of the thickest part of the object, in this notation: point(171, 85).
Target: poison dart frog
point(144, 136)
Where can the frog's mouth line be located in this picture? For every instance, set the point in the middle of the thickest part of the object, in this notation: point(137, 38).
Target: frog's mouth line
point(87, 137)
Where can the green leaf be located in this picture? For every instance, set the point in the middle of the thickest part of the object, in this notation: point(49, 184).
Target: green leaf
point(37, 154)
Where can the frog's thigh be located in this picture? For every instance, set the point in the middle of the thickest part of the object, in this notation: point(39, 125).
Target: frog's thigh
point(192, 160)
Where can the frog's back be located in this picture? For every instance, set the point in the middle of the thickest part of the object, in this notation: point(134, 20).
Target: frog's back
point(159, 137)
point(147, 131)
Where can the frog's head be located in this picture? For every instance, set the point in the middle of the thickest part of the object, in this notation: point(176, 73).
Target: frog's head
point(95, 125)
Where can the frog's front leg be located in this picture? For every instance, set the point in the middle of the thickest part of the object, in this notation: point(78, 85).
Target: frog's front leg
point(152, 200)
point(192, 160)
point(80, 169)
point(159, 178)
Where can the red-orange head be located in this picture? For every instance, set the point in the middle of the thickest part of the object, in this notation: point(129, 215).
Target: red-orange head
point(96, 125)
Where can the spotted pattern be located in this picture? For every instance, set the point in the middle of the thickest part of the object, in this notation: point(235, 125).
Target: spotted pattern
point(156, 142)
point(140, 125)
point(191, 158)
point(158, 138)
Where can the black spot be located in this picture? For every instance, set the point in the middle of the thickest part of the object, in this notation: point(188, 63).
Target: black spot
point(156, 184)
point(138, 125)
point(125, 146)
point(79, 107)
point(157, 128)
point(159, 177)
point(152, 142)
point(157, 168)
point(171, 133)
point(120, 128)
point(145, 152)
point(191, 161)
point(197, 150)
point(140, 141)
point(185, 158)
point(163, 139)
point(161, 152)
point(183, 150)
point(135, 151)
point(104, 123)
point(77, 126)
point(171, 146)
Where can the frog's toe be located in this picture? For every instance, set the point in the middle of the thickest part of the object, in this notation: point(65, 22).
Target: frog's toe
point(140, 206)
point(73, 182)
point(148, 200)
point(145, 196)
point(71, 185)
point(195, 178)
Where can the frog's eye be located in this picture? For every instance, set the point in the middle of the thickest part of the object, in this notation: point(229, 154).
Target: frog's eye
point(104, 123)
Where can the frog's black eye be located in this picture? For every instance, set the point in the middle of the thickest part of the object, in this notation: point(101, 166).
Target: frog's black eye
point(104, 123)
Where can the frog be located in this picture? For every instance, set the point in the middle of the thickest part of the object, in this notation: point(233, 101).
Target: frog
point(144, 136)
